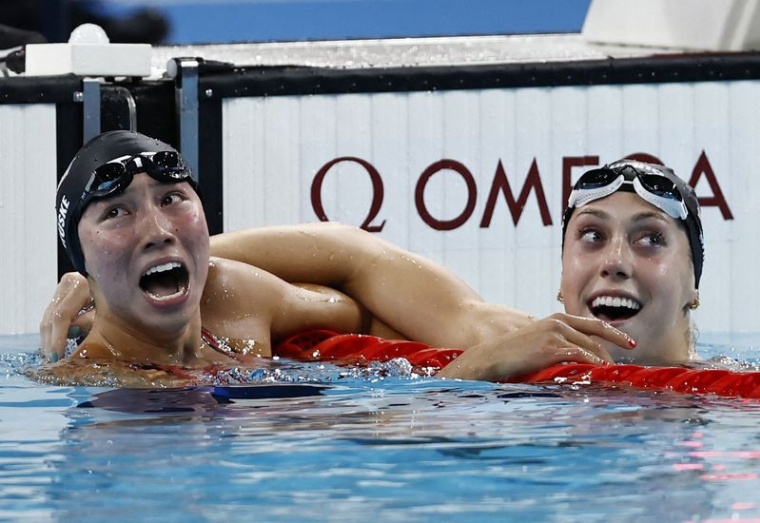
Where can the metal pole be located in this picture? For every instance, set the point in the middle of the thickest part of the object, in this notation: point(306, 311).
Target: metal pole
point(91, 99)
point(185, 71)
point(131, 107)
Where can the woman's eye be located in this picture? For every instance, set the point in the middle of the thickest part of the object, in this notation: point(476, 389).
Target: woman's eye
point(171, 198)
point(113, 212)
point(652, 239)
point(590, 235)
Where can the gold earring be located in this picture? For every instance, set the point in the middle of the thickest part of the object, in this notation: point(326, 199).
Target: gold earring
point(695, 304)
point(559, 296)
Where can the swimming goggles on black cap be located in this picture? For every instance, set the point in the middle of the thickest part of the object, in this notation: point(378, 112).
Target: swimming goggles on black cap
point(655, 184)
point(649, 183)
point(116, 175)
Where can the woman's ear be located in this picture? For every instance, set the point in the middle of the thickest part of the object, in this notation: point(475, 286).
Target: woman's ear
point(694, 301)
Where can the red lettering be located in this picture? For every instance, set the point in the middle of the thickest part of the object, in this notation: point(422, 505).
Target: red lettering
point(377, 192)
point(516, 207)
point(703, 167)
point(501, 186)
point(419, 195)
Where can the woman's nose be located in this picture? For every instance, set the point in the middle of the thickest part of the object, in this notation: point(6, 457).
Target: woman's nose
point(617, 261)
point(156, 229)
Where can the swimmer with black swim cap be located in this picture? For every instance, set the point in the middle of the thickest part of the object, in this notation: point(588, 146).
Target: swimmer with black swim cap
point(104, 167)
point(632, 255)
point(131, 220)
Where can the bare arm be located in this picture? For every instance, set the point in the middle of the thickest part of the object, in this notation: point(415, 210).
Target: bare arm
point(246, 302)
point(556, 339)
point(413, 295)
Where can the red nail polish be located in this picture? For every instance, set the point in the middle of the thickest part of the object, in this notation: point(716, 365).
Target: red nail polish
point(632, 343)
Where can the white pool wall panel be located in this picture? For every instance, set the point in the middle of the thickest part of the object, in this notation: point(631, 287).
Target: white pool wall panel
point(28, 264)
point(274, 146)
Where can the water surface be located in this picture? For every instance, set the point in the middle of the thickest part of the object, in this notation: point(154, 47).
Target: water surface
point(339, 446)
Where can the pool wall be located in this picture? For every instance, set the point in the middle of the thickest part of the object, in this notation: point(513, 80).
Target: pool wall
point(462, 149)
point(27, 213)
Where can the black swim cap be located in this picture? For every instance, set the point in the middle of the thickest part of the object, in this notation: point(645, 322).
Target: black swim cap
point(667, 194)
point(78, 186)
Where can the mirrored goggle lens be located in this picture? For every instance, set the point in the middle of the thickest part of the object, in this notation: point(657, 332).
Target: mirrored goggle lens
point(661, 186)
point(595, 179)
point(166, 160)
point(168, 164)
point(107, 178)
point(669, 204)
point(109, 172)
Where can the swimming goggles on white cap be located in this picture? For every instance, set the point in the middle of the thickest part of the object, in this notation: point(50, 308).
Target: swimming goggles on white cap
point(643, 179)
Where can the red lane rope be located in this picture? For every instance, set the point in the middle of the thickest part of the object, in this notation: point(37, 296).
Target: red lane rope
point(353, 349)
point(361, 349)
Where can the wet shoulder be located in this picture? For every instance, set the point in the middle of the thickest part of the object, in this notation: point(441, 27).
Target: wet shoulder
point(230, 281)
point(238, 305)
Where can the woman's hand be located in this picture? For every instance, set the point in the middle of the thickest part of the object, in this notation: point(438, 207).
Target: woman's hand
point(69, 314)
point(556, 339)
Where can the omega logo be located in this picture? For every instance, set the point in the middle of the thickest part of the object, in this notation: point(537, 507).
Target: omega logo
point(499, 187)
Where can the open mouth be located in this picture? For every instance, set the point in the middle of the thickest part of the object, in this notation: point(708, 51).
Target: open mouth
point(609, 308)
point(165, 281)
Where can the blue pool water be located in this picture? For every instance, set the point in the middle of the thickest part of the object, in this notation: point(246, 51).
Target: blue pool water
point(365, 447)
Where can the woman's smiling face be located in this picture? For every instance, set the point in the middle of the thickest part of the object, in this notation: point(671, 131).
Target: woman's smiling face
point(628, 263)
point(147, 250)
